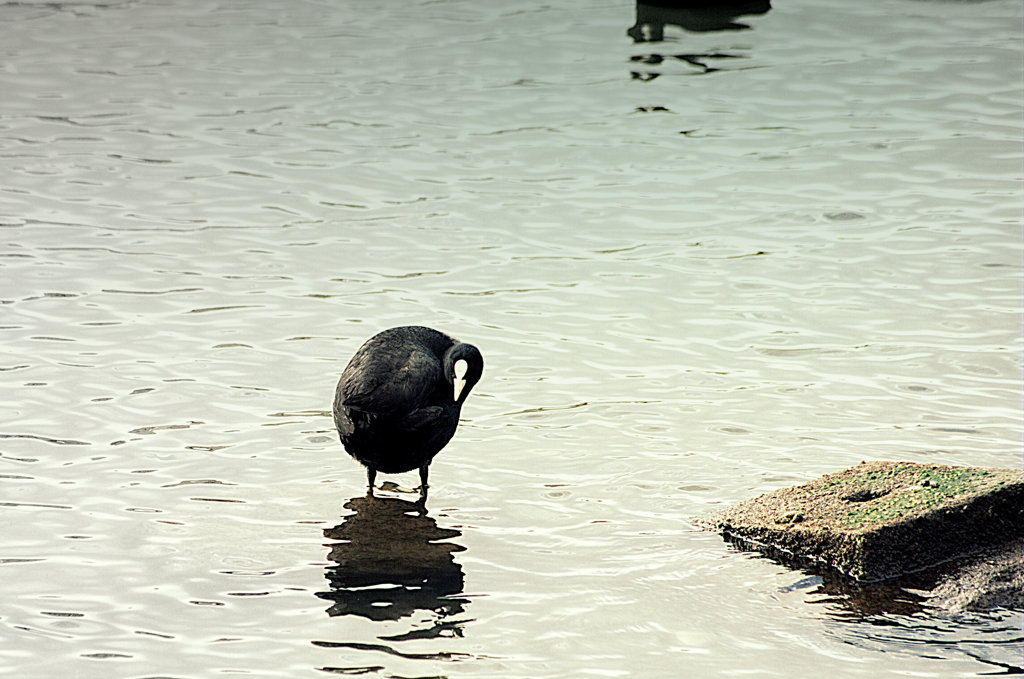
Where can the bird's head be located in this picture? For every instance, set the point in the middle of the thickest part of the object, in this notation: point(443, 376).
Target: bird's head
point(463, 366)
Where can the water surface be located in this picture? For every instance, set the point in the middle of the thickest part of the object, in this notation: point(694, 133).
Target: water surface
point(699, 269)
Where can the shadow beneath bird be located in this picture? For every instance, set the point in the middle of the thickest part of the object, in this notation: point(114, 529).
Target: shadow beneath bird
point(391, 560)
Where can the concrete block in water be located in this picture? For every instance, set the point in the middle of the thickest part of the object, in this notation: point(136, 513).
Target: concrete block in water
point(880, 520)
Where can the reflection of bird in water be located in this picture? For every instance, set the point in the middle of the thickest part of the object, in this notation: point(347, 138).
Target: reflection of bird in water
point(391, 562)
point(398, 400)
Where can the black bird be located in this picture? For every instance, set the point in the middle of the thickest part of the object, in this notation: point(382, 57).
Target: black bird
point(398, 400)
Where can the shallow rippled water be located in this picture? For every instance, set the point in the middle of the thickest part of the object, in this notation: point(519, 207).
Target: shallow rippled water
point(698, 269)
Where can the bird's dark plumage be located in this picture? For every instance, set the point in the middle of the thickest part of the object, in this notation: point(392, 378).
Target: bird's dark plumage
point(398, 400)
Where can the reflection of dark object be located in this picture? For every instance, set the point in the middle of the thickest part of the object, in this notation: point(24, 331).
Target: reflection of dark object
point(848, 599)
point(987, 581)
point(398, 400)
point(915, 611)
point(390, 562)
point(698, 60)
point(845, 597)
point(692, 15)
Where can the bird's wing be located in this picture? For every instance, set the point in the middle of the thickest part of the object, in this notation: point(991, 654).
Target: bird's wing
point(392, 385)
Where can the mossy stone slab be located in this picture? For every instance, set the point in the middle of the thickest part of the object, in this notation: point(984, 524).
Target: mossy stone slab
point(880, 520)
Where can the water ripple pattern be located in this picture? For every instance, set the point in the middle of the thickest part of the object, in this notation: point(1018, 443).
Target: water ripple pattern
point(766, 247)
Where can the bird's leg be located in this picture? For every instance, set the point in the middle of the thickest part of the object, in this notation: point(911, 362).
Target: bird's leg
point(371, 476)
point(423, 480)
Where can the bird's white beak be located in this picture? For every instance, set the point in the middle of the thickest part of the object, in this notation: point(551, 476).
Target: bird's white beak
point(460, 369)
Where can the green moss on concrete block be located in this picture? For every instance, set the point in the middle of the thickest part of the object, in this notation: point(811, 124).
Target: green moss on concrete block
point(880, 520)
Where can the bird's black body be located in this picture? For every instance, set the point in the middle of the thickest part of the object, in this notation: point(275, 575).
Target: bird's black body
point(398, 400)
